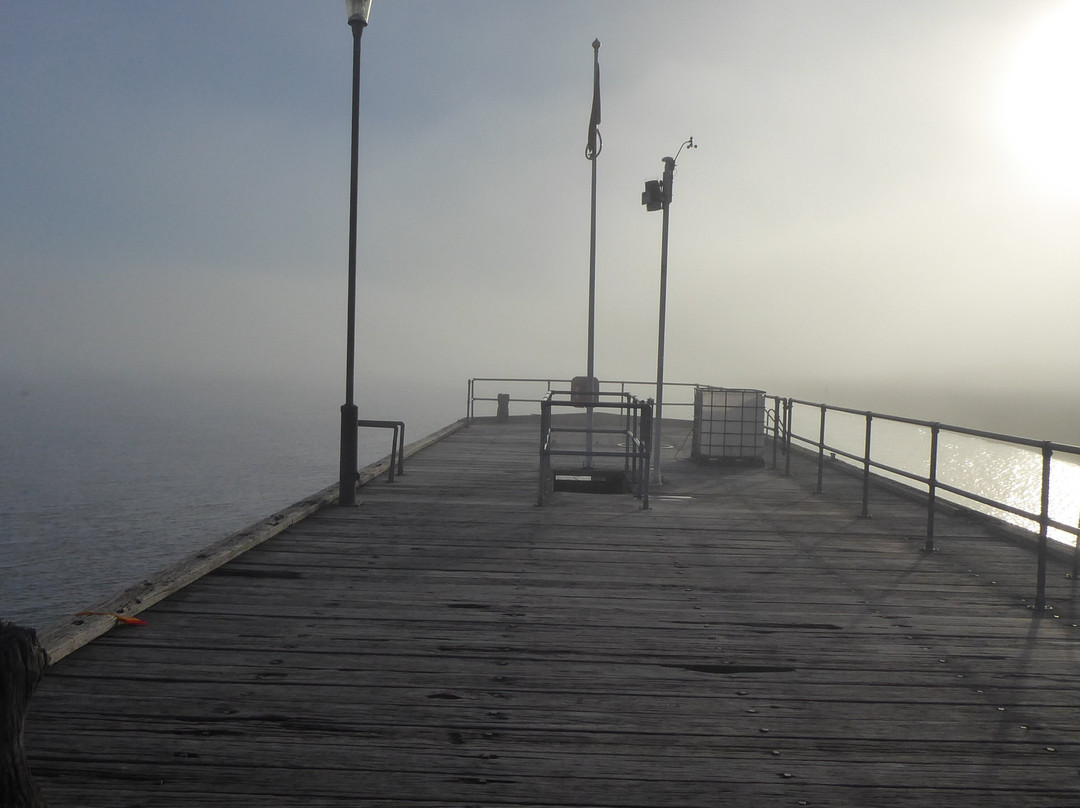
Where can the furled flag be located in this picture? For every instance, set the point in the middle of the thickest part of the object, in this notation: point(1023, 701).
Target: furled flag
point(596, 143)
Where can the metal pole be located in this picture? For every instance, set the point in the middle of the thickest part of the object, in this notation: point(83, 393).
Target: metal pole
point(545, 458)
point(1076, 555)
point(866, 469)
point(776, 428)
point(1044, 529)
point(401, 450)
point(787, 437)
point(931, 488)
point(821, 452)
point(592, 277)
point(348, 471)
point(592, 151)
point(639, 462)
point(646, 437)
point(669, 175)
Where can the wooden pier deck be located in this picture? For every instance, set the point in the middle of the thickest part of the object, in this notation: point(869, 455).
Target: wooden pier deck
point(745, 642)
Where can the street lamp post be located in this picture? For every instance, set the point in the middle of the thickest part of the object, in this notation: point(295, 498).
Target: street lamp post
point(358, 11)
point(657, 196)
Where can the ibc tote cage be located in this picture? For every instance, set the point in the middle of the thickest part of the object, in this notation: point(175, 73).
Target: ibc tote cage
point(729, 425)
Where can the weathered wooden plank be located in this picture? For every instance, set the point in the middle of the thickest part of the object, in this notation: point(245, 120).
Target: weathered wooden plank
point(63, 637)
point(448, 643)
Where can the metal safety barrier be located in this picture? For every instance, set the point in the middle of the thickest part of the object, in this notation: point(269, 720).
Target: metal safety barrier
point(779, 422)
point(531, 391)
point(931, 480)
point(397, 446)
point(636, 432)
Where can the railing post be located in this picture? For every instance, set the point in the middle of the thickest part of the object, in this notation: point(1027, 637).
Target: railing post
point(931, 488)
point(1076, 555)
point(866, 469)
point(821, 452)
point(545, 458)
point(638, 416)
point(646, 450)
point(393, 455)
point(401, 452)
point(1044, 528)
point(775, 428)
point(787, 437)
point(469, 406)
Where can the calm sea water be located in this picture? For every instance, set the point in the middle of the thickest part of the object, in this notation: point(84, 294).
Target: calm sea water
point(1001, 471)
point(103, 485)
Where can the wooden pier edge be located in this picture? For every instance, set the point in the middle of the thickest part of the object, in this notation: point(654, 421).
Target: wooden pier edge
point(67, 635)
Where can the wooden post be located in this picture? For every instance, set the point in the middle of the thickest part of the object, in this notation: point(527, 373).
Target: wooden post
point(22, 664)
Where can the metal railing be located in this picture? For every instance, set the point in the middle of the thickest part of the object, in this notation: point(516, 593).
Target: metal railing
point(778, 429)
point(779, 421)
point(533, 391)
point(636, 433)
point(782, 429)
point(397, 445)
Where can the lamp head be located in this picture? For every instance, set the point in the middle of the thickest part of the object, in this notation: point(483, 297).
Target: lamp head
point(653, 196)
point(358, 10)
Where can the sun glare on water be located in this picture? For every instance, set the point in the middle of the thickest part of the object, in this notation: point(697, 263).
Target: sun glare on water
point(1039, 106)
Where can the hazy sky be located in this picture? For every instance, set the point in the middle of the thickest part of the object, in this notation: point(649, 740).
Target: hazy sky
point(886, 193)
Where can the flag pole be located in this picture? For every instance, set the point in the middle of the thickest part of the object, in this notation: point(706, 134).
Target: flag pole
point(592, 151)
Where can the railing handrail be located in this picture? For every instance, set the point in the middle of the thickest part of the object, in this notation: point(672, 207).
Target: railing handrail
point(549, 382)
point(931, 481)
point(554, 379)
point(959, 430)
point(784, 434)
point(397, 444)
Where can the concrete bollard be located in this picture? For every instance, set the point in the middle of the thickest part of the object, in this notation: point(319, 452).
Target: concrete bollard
point(503, 412)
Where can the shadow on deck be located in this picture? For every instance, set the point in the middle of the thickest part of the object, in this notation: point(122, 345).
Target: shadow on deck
point(448, 643)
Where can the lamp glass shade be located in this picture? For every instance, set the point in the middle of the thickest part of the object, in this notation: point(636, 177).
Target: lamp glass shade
point(358, 9)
